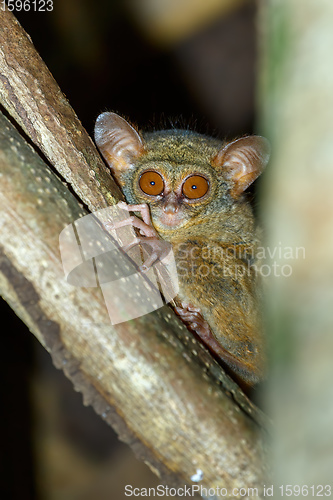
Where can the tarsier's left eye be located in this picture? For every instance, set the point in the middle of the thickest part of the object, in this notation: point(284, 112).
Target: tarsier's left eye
point(151, 183)
point(195, 187)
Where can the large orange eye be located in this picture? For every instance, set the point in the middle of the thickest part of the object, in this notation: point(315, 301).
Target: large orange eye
point(151, 183)
point(195, 187)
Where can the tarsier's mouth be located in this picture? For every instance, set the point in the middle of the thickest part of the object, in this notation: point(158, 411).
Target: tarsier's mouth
point(170, 220)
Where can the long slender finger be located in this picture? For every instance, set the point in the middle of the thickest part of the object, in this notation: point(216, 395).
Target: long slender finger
point(149, 262)
point(142, 209)
point(188, 316)
point(136, 222)
point(133, 243)
point(145, 229)
point(194, 309)
point(190, 307)
point(115, 225)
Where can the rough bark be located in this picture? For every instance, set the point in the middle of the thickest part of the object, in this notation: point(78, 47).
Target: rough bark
point(33, 98)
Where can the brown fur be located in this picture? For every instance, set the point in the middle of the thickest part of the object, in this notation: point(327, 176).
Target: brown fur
point(214, 238)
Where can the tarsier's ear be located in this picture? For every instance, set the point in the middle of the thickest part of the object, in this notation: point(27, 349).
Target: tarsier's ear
point(243, 161)
point(118, 141)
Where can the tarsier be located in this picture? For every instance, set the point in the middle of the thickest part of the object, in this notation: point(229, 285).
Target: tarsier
point(189, 190)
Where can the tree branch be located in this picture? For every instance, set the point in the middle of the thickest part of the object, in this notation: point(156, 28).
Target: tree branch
point(32, 97)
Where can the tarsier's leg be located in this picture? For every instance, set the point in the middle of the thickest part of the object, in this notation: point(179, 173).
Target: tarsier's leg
point(194, 321)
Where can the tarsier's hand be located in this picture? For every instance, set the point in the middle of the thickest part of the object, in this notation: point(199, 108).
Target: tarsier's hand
point(158, 248)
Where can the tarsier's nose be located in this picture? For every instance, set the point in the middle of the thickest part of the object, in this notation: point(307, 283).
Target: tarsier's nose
point(171, 204)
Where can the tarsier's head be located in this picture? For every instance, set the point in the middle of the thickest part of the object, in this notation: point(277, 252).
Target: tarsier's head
point(181, 175)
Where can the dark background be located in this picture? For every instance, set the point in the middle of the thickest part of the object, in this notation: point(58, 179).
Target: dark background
point(103, 59)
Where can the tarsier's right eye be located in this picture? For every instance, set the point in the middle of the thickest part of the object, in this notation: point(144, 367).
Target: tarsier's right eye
point(151, 183)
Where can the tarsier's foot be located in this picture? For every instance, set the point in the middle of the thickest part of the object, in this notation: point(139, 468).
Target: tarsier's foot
point(158, 248)
point(194, 320)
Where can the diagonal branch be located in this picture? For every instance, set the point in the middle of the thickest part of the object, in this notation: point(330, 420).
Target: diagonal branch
point(33, 98)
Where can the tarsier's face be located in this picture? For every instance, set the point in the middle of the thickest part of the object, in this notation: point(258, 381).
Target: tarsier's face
point(179, 174)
